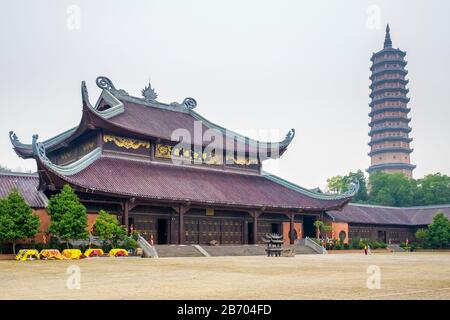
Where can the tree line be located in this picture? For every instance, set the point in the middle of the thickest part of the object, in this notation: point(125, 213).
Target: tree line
point(394, 189)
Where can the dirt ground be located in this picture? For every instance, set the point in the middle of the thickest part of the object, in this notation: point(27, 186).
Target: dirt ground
point(343, 276)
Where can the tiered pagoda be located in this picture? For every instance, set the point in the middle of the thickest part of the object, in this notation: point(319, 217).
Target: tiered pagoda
point(127, 157)
point(389, 134)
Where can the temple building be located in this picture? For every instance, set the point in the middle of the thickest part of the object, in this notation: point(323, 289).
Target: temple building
point(135, 157)
point(389, 133)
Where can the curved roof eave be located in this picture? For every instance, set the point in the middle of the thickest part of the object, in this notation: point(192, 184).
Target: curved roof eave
point(67, 170)
point(117, 107)
point(352, 190)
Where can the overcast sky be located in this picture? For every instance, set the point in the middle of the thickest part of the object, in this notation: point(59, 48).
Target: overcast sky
point(251, 65)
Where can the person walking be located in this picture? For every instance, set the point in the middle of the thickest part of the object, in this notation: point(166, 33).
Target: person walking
point(365, 249)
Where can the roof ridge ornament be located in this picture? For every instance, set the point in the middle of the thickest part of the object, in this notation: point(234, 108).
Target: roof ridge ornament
point(14, 138)
point(106, 84)
point(39, 149)
point(149, 93)
point(189, 103)
point(353, 188)
point(289, 136)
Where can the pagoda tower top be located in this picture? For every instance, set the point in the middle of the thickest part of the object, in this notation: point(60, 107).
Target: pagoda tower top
point(387, 39)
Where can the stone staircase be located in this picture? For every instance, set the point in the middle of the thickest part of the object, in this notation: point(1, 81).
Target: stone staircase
point(395, 248)
point(164, 251)
point(302, 249)
point(239, 250)
point(170, 250)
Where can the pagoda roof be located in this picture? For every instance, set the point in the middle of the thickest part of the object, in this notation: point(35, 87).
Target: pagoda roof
point(151, 181)
point(149, 119)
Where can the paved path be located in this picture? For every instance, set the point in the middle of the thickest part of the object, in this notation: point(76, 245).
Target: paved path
point(341, 276)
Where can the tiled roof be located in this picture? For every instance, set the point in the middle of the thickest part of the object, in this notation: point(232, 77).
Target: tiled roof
point(156, 122)
point(26, 184)
point(154, 181)
point(369, 214)
point(162, 123)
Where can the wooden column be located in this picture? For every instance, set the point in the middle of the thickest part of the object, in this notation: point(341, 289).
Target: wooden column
point(255, 214)
point(182, 209)
point(291, 228)
point(255, 229)
point(181, 227)
point(125, 214)
point(245, 233)
point(173, 230)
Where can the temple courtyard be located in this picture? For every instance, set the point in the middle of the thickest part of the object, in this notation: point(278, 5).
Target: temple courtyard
point(333, 276)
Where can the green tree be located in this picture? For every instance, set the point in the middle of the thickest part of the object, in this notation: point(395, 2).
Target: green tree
point(319, 225)
point(17, 221)
point(421, 236)
point(108, 229)
point(340, 184)
point(322, 228)
point(433, 189)
point(391, 189)
point(68, 216)
point(439, 231)
point(336, 184)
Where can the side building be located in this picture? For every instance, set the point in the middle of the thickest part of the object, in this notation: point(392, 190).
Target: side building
point(385, 224)
point(126, 157)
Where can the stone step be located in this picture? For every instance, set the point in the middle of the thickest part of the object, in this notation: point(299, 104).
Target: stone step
point(222, 250)
point(395, 248)
point(165, 251)
point(239, 250)
point(301, 249)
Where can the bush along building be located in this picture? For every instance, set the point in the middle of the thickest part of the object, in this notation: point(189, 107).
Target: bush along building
point(124, 158)
point(389, 124)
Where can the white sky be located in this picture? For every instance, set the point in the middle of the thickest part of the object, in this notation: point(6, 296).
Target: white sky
point(249, 64)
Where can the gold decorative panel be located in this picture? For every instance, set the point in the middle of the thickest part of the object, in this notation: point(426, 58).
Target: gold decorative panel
point(126, 143)
point(240, 160)
point(163, 151)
